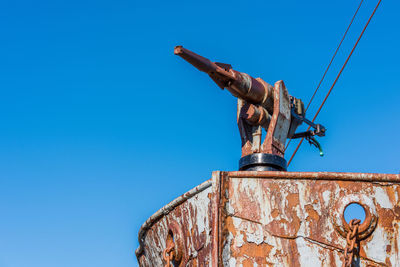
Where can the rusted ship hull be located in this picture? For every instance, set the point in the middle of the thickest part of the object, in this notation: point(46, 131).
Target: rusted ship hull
point(276, 219)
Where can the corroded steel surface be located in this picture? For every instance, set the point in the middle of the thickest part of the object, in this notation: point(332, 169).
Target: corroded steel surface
point(299, 221)
point(188, 220)
point(278, 219)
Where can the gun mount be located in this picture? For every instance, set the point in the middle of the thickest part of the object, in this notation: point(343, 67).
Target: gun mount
point(260, 106)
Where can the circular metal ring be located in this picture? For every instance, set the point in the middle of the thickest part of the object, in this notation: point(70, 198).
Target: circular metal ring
point(262, 162)
point(175, 235)
point(369, 223)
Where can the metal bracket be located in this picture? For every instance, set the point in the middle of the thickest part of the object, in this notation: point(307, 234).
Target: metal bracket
point(319, 130)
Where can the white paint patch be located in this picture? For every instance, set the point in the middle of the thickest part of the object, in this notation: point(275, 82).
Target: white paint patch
point(307, 255)
point(326, 195)
point(254, 238)
point(201, 202)
point(236, 222)
point(229, 209)
point(376, 248)
point(255, 235)
point(232, 262)
point(226, 251)
point(239, 240)
point(382, 198)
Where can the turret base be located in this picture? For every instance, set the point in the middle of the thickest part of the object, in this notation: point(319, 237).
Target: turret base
point(262, 162)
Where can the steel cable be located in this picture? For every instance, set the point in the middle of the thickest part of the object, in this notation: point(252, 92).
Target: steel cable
point(330, 63)
point(337, 77)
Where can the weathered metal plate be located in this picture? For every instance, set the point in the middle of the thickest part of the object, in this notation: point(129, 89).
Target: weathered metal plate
point(191, 214)
point(278, 219)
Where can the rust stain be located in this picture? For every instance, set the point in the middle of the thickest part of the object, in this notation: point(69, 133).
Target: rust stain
point(275, 213)
point(254, 253)
point(313, 216)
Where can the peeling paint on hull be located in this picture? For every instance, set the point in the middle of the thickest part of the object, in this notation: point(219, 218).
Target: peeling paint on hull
point(277, 219)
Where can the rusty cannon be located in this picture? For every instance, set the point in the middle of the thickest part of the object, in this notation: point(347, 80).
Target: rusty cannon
point(260, 106)
point(263, 215)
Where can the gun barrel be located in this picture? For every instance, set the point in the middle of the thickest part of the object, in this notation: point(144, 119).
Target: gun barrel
point(205, 65)
point(238, 83)
point(201, 63)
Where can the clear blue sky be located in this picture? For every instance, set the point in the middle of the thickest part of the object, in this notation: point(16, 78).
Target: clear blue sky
point(101, 124)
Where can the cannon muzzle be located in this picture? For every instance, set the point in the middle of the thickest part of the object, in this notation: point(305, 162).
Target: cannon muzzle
point(201, 63)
